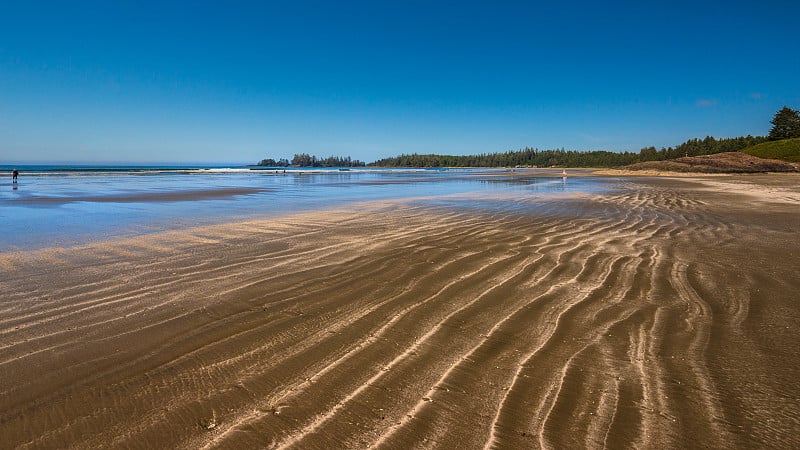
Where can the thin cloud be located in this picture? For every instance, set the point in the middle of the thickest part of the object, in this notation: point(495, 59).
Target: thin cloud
point(705, 103)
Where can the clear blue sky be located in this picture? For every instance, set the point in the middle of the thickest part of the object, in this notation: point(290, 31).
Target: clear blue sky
point(131, 81)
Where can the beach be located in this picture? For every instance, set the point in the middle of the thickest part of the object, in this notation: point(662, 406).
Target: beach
point(658, 313)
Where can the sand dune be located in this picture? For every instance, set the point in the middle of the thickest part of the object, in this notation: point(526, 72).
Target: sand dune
point(662, 315)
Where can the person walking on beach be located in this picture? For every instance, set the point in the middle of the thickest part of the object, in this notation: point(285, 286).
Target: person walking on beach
point(14, 175)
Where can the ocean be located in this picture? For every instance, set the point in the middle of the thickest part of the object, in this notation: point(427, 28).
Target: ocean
point(67, 205)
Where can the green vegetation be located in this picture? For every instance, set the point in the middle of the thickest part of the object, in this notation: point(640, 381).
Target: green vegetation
point(306, 160)
point(573, 158)
point(785, 124)
point(534, 157)
point(785, 150)
point(269, 162)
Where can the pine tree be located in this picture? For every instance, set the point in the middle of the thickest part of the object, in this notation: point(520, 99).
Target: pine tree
point(786, 124)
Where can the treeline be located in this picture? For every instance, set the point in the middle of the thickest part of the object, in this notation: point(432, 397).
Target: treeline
point(697, 147)
point(785, 124)
point(306, 160)
point(269, 162)
point(525, 157)
point(573, 158)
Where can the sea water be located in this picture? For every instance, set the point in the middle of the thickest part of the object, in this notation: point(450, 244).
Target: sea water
point(70, 205)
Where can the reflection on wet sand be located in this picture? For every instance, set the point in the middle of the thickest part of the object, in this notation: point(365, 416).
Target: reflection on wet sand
point(141, 197)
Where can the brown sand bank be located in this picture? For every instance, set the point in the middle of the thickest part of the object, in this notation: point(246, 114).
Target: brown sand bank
point(663, 315)
point(727, 162)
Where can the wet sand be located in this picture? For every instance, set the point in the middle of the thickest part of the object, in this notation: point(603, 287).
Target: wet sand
point(665, 314)
point(140, 197)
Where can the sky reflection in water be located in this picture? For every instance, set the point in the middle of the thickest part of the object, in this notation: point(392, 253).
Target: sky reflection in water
point(68, 208)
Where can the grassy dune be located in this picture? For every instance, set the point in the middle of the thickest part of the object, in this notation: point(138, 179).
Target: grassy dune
point(785, 150)
point(729, 162)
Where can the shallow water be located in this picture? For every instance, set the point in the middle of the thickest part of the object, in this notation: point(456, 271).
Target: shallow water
point(67, 206)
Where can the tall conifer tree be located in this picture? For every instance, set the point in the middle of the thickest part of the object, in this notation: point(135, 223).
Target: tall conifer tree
point(786, 124)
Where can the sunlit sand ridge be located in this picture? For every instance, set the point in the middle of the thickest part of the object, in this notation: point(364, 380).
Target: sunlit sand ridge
point(662, 315)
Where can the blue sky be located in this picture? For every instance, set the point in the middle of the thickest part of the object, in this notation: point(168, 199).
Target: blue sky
point(241, 81)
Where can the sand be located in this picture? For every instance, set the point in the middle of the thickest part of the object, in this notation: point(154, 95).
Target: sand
point(140, 197)
point(665, 314)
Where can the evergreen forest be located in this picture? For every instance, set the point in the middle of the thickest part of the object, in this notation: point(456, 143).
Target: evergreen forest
point(530, 157)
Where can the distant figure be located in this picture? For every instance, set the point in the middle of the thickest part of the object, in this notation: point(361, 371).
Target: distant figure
point(563, 173)
point(14, 175)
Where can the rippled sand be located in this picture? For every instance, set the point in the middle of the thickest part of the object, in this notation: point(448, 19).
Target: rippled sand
point(663, 315)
